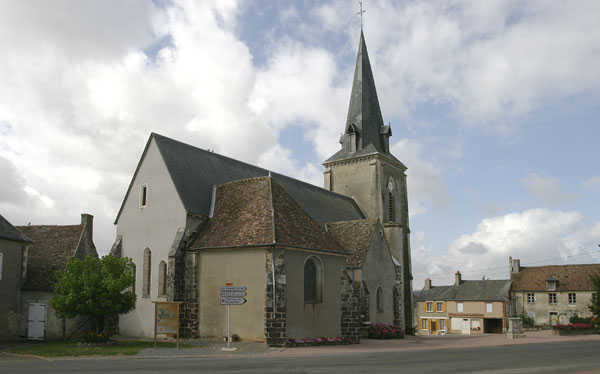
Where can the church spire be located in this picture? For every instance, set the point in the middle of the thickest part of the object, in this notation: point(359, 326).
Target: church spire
point(364, 128)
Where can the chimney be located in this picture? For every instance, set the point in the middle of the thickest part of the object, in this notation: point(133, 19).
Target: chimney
point(86, 243)
point(87, 220)
point(427, 284)
point(515, 265)
point(457, 278)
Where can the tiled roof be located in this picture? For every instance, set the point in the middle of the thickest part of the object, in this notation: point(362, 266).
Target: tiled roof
point(9, 232)
point(570, 277)
point(53, 245)
point(195, 171)
point(354, 236)
point(259, 211)
point(468, 290)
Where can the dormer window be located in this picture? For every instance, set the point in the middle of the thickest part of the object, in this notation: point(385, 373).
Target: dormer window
point(551, 284)
point(143, 195)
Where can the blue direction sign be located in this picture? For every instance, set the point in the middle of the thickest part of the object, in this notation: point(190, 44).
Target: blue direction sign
point(232, 294)
point(233, 288)
point(232, 300)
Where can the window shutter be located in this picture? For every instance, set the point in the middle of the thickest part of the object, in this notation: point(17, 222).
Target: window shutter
point(435, 306)
point(424, 306)
point(444, 306)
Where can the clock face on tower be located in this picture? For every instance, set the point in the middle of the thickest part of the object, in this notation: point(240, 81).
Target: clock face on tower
point(390, 186)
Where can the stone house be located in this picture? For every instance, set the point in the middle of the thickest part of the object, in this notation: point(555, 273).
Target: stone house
point(193, 220)
point(467, 307)
point(13, 265)
point(551, 294)
point(52, 246)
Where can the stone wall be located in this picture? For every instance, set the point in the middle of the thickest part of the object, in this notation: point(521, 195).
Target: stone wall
point(351, 309)
point(275, 319)
point(188, 312)
point(365, 314)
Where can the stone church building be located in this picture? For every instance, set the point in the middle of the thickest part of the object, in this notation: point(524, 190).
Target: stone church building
point(316, 262)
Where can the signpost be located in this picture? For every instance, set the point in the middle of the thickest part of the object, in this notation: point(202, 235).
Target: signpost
point(231, 295)
point(166, 318)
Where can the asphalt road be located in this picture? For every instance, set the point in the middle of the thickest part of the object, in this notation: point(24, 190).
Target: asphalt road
point(571, 357)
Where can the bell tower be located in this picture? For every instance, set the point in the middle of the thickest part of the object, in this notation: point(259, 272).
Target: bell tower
point(365, 170)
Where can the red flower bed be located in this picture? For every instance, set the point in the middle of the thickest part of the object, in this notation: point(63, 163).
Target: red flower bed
point(385, 331)
point(574, 326)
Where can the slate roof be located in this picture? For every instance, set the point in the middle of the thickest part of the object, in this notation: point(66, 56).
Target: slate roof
point(195, 171)
point(355, 236)
point(53, 245)
point(9, 232)
point(468, 290)
point(259, 211)
point(364, 113)
point(570, 277)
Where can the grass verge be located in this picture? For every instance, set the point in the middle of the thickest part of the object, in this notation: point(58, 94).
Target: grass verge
point(69, 348)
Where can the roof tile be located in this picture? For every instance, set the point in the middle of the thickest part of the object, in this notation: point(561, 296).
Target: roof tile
point(53, 245)
point(570, 277)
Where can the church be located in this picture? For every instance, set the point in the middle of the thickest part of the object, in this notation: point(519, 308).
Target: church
point(316, 262)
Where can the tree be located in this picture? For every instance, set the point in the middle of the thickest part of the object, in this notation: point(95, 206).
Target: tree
point(595, 305)
point(95, 288)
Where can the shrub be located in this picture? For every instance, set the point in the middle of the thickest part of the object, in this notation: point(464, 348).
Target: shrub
point(577, 319)
point(574, 326)
point(92, 337)
point(527, 321)
point(385, 331)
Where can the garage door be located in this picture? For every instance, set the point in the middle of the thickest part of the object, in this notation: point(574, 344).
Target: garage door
point(36, 321)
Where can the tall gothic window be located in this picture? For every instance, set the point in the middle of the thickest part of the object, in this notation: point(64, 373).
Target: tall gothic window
point(379, 299)
point(313, 280)
point(162, 279)
point(134, 279)
point(391, 209)
point(147, 275)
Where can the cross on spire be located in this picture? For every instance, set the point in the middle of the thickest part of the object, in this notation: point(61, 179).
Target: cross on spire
point(361, 13)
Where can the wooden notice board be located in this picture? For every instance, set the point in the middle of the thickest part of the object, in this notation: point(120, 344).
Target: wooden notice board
point(166, 318)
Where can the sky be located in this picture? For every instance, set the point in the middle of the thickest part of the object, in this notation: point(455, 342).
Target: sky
point(494, 109)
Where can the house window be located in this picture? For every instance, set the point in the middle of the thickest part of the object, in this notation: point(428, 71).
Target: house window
point(551, 285)
point(313, 280)
point(162, 279)
point(551, 298)
point(572, 298)
point(143, 195)
point(430, 306)
point(442, 324)
point(531, 298)
point(23, 264)
point(147, 276)
point(424, 324)
point(379, 299)
point(439, 306)
point(488, 307)
point(459, 307)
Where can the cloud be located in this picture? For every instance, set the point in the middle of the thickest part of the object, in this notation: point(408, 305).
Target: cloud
point(592, 182)
point(425, 182)
point(492, 61)
point(532, 235)
point(546, 188)
point(280, 160)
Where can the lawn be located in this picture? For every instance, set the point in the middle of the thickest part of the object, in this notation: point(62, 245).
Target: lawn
point(69, 348)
